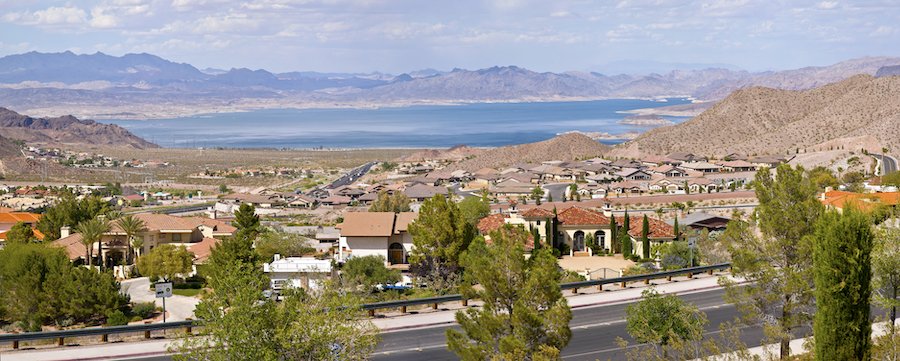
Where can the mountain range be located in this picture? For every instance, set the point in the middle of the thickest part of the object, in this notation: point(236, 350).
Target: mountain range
point(146, 86)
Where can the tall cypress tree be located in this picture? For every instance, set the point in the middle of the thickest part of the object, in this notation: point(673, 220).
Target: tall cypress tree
point(677, 231)
point(842, 270)
point(613, 235)
point(645, 237)
point(627, 247)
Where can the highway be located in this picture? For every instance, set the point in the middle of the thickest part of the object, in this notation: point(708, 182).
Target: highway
point(890, 163)
point(594, 333)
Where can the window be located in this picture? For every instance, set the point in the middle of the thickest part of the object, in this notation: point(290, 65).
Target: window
point(176, 237)
point(539, 223)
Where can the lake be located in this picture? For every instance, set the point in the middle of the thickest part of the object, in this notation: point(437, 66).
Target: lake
point(479, 125)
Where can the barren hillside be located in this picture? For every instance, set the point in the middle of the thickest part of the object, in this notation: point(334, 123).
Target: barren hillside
point(761, 120)
point(564, 147)
point(66, 130)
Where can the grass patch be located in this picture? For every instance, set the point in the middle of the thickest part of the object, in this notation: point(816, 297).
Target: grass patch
point(187, 292)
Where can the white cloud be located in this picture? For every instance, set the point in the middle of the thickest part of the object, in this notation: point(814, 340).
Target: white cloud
point(50, 16)
point(827, 5)
point(560, 14)
point(883, 30)
point(100, 18)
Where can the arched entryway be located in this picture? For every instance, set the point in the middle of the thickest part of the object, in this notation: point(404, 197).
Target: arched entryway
point(600, 238)
point(578, 241)
point(396, 254)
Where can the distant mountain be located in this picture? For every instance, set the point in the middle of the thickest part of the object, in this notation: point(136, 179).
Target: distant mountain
point(636, 66)
point(66, 130)
point(565, 147)
point(144, 85)
point(893, 70)
point(759, 120)
point(70, 68)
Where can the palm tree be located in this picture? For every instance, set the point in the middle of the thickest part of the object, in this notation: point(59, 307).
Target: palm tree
point(131, 226)
point(92, 231)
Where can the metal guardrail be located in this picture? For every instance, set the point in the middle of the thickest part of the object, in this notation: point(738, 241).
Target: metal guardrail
point(104, 332)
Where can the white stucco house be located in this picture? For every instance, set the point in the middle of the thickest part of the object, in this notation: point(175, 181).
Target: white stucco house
point(297, 272)
point(376, 233)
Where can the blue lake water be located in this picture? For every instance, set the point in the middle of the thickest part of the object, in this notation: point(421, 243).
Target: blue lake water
point(480, 125)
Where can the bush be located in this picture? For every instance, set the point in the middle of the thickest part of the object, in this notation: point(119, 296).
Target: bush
point(136, 318)
point(187, 286)
point(564, 248)
point(143, 310)
point(116, 318)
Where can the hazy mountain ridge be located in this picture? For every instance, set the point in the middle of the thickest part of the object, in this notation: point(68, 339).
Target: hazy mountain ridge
point(66, 130)
point(759, 120)
point(144, 85)
point(565, 147)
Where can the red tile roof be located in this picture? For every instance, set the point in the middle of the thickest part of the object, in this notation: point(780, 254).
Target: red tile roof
point(72, 245)
point(581, 216)
point(16, 217)
point(658, 229)
point(862, 201)
point(203, 249)
point(537, 212)
point(491, 223)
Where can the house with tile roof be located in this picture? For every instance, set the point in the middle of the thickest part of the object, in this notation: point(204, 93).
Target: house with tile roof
point(376, 233)
point(867, 202)
point(10, 219)
point(198, 234)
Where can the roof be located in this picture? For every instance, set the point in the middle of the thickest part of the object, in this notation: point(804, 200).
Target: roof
point(37, 234)
point(16, 217)
point(699, 217)
point(491, 223)
point(658, 228)
point(537, 212)
point(72, 245)
point(367, 224)
point(581, 216)
point(862, 201)
point(203, 249)
point(421, 191)
point(403, 221)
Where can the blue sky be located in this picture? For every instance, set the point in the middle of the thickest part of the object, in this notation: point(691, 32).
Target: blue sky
point(404, 35)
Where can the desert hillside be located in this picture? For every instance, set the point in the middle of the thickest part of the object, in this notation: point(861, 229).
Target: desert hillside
point(66, 130)
point(566, 147)
point(759, 120)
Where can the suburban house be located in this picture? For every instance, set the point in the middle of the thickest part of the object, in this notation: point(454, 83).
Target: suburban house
point(376, 233)
point(702, 167)
point(297, 272)
point(512, 189)
point(660, 232)
point(633, 174)
point(863, 201)
point(196, 233)
point(10, 219)
point(576, 223)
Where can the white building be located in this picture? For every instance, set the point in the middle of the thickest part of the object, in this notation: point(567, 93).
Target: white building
point(297, 272)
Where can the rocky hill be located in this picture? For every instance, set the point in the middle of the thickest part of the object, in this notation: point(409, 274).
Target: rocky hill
point(566, 147)
point(760, 120)
point(454, 154)
point(66, 130)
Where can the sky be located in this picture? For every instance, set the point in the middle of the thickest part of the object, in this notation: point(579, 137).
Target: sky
point(404, 35)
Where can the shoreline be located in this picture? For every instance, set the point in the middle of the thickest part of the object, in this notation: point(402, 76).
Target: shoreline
point(176, 111)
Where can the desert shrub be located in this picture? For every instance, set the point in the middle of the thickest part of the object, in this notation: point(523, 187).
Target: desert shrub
point(143, 310)
point(116, 318)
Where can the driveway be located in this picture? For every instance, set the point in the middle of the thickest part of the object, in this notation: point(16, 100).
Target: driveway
point(178, 308)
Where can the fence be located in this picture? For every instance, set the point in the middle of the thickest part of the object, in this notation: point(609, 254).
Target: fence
point(104, 332)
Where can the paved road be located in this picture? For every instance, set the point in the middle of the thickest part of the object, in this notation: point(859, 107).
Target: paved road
point(890, 163)
point(351, 176)
point(178, 308)
point(594, 333)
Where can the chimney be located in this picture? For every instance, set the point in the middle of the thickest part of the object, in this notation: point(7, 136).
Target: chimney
point(277, 257)
point(65, 232)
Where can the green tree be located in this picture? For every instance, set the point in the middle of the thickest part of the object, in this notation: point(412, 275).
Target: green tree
point(366, 272)
point(676, 228)
point(397, 202)
point(92, 231)
point(842, 267)
point(891, 179)
point(273, 242)
point(166, 261)
point(223, 189)
point(645, 237)
point(38, 285)
point(662, 320)
point(474, 209)
point(614, 235)
point(537, 193)
point(20, 232)
point(886, 273)
point(69, 212)
point(536, 237)
point(524, 316)
point(822, 177)
point(440, 235)
point(247, 222)
point(131, 226)
point(773, 254)
point(625, 238)
point(241, 324)
point(676, 255)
